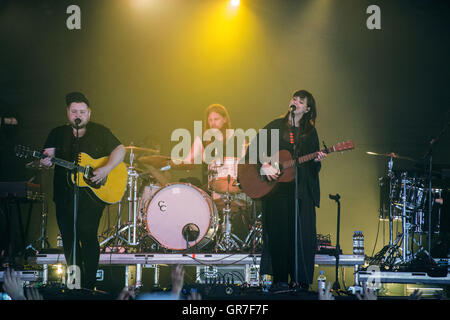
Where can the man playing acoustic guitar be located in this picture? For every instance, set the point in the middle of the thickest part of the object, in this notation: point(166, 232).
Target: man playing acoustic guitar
point(97, 141)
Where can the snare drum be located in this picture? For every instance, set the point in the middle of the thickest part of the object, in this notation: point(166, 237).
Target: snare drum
point(181, 216)
point(222, 177)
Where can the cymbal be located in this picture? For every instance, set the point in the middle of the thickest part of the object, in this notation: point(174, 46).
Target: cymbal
point(156, 161)
point(391, 155)
point(179, 165)
point(140, 149)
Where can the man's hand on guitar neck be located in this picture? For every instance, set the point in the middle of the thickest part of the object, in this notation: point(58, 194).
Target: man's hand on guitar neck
point(47, 162)
point(269, 172)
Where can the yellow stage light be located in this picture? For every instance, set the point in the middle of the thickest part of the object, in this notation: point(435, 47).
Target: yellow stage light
point(140, 4)
point(235, 3)
point(59, 269)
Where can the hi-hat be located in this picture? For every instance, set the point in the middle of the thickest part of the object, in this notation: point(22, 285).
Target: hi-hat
point(390, 155)
point(140, 149)
point(156, 161)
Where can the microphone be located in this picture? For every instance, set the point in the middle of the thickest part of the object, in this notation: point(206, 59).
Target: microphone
point(335, 197)
point(77, 122)
point(292, 108)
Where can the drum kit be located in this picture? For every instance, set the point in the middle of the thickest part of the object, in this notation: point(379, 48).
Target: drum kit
point(405, 197)
point(176, 217)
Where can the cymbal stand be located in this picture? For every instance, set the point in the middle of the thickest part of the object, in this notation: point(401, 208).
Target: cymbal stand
point(391, 214)
point(228, 240)
point(405, 223)
point(393, 249)
point(131, 225)
point(133, 177)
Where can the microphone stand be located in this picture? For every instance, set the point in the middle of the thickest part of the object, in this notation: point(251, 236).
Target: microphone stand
point(297, 230)
point(429, 154)
point(292, 140)
point(336, 286)
point(75, 197)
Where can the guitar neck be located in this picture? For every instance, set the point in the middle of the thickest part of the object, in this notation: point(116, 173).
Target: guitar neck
point(60, 162)
point(313, 155)
point(306, 158)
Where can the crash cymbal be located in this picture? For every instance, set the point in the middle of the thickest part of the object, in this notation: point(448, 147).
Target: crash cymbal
point(156, 161)
point(390, 155)
point(140, 149)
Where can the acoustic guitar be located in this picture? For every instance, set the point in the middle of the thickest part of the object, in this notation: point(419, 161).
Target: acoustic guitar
point(257, 186)
point(110, 190)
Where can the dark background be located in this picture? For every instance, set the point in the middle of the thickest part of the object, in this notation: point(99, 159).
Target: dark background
point(149, 67)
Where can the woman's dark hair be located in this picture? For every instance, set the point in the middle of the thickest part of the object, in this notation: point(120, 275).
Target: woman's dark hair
point(308, 120)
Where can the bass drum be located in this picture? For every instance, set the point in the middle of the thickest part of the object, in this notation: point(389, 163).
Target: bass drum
point(181, 216)
point(145, 198)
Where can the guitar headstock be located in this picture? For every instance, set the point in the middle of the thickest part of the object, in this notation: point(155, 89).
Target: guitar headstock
point(343, 146)
point(23, 151)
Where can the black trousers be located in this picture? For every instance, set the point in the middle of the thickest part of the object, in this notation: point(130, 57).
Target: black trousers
point(87, 246)
point(279, 237)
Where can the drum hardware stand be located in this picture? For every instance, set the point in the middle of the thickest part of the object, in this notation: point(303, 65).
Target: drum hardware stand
point(406, 225)
point(391, 222)
point(131, 225)
point(254, 236)
point(392, 251)
point(43, 238)
point(228, 240)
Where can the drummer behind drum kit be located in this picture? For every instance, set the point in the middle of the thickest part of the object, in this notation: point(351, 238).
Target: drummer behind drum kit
point(181, 216)
point(404, 195)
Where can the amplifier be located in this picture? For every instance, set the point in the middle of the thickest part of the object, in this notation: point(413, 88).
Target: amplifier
point(22, 190)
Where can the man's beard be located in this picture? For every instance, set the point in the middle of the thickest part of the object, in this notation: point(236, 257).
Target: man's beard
point(81, 126)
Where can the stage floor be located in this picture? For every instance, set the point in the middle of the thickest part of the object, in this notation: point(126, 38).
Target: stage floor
point(190, 259)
